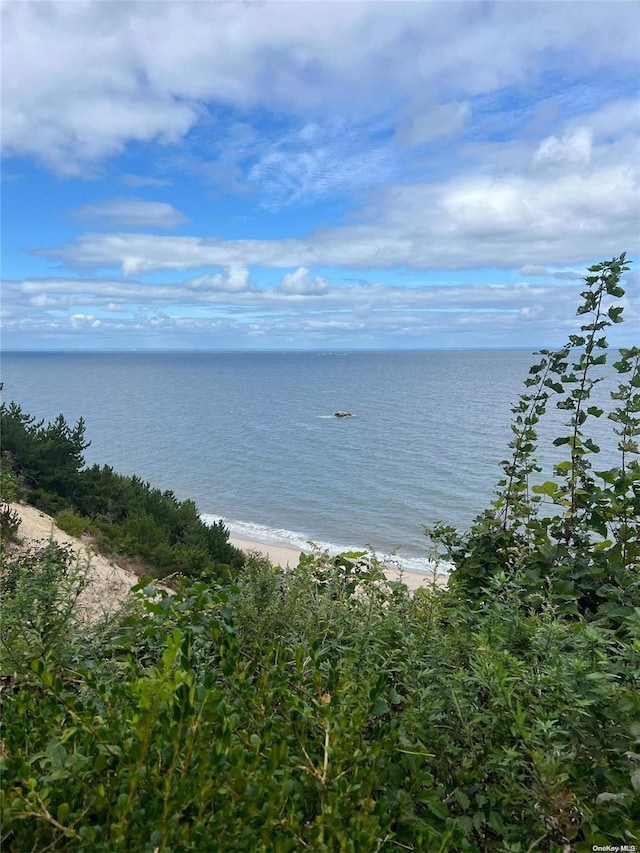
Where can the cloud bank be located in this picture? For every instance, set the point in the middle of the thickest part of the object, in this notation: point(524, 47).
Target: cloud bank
point(370, 173)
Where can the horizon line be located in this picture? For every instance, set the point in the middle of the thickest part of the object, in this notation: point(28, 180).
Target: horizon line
point(192, 350)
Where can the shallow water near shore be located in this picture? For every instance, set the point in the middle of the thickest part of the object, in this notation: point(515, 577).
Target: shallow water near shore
point(253, 438)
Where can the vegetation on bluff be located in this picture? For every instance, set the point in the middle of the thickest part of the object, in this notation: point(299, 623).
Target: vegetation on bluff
point(325, 709)
point(124, 515)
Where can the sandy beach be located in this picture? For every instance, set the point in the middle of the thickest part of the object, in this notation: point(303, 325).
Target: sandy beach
point(109, 583)
point(287, 556)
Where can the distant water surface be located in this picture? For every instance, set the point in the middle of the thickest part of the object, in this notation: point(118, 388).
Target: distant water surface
point(251, 437)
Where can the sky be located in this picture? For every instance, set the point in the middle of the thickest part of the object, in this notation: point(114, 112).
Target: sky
point(304, 175)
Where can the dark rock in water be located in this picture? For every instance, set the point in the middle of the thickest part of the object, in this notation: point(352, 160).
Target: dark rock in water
point(343, 415)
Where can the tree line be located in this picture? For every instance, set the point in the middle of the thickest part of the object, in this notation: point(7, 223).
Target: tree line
point(124, 515)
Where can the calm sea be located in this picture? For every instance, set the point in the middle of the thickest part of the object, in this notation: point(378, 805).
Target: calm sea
point(251, 437)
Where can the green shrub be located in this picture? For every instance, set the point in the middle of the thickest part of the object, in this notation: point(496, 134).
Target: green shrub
point(9, 492)
point(50, 456)
point(73, 524)
point(363, 722)
point(9, 488)
point(38, 593)
point(10, 522)
point(47, 502)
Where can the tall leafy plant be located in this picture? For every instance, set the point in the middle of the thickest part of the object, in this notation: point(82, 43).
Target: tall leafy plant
point(573, 538)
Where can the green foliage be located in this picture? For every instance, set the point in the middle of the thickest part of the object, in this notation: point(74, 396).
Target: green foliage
point(47, 456)
point(9, 492)
point(9, 523)
point(126, 515)
point(38, 594)
point(136, 519)
point(72, 523)
point(9, 489)
point(293, 712)
point(573, 540)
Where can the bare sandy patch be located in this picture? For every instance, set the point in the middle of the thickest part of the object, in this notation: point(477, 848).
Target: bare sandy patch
point(109, 584)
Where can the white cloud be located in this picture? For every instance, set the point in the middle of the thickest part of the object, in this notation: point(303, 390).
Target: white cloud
point(317, 159)
point(143, 181)
point(300, 283)
point(86, 78)
point(84, 320)
point(44, 301)
point(364, 313)
point(131, 212)
point(572, 149)
point(444, 135)
point(506, 220)
point(536, 271)
point(612, 120)
point(152, 318)
point(235, 280)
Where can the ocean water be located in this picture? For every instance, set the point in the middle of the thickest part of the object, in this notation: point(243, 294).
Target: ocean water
point(252, 437)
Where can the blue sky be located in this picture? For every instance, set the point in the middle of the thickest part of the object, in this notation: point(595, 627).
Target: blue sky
point(314, 175)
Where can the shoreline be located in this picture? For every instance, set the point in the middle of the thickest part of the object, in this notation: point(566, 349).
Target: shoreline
point(287, 557)
point(110, 583)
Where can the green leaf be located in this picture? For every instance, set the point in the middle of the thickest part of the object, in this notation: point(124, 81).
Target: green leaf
point(615, 314)
point(380, 707)
point(547, 488)
point(435, 806)
point(615, 290)
point(598, 524)
point(462, 798)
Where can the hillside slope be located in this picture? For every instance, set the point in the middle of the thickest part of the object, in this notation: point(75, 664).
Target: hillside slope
point(109, 584)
